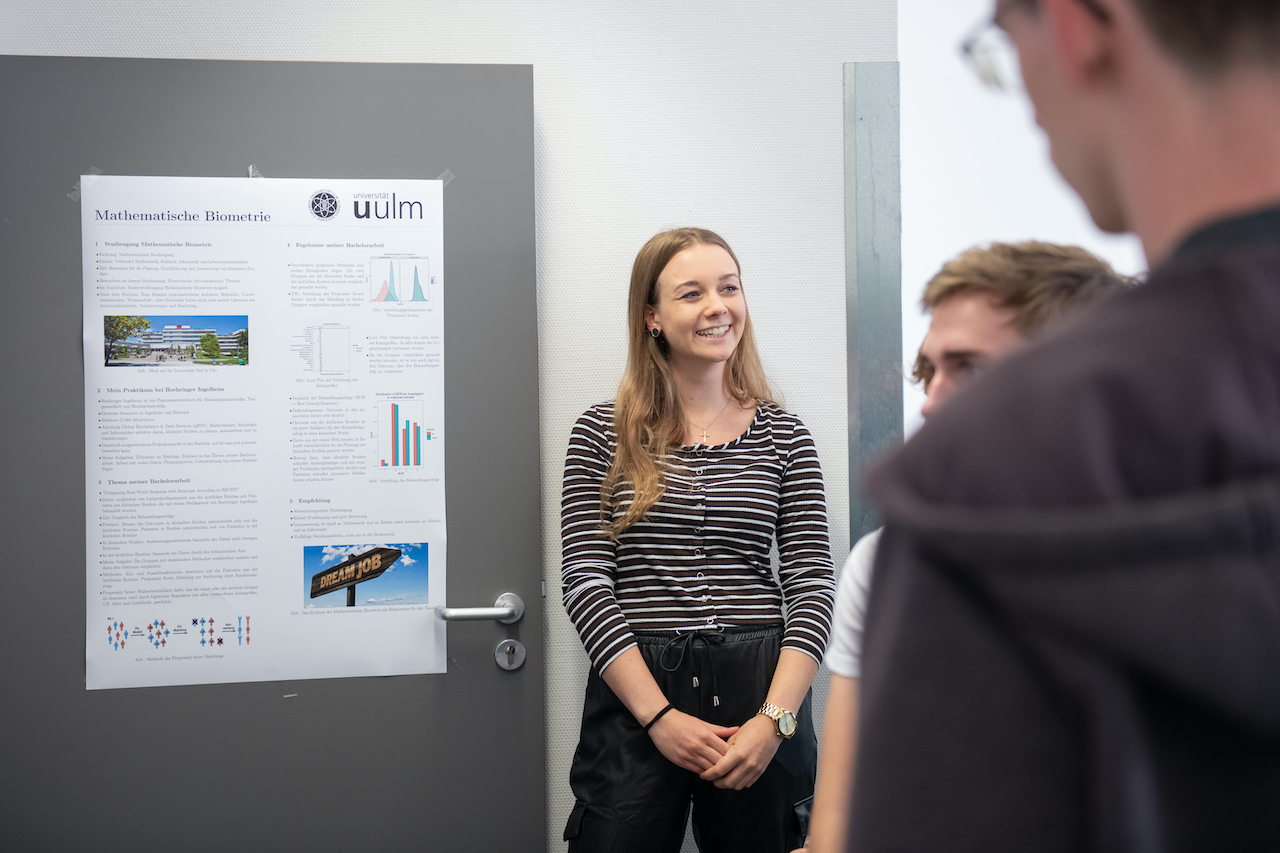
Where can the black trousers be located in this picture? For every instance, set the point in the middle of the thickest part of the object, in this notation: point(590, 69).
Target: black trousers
point(631, 798)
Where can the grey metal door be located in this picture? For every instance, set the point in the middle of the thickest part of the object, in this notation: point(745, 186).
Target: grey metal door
point(439, 762)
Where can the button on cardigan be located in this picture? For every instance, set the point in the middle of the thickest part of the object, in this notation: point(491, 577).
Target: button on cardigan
point(700, 556)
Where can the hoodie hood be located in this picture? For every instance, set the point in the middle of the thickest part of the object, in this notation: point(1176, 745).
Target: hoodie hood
point(1182, 591)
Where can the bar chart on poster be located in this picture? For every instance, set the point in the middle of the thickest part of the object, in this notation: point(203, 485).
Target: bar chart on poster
point(264, 411)
point(401, 431)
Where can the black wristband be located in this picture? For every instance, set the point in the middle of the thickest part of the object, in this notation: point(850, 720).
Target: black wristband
point(658, 716)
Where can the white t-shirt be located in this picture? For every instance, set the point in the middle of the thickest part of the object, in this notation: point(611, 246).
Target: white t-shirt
point(844, 655)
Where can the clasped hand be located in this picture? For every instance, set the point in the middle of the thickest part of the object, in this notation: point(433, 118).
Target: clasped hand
point(727, 756)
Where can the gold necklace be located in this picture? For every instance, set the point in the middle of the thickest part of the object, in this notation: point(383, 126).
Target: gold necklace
point(710, 425)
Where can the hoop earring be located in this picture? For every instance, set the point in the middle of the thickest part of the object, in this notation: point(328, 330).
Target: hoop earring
point(657, 333)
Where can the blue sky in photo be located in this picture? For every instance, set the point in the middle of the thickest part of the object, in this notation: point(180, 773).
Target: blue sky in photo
point(404, 583)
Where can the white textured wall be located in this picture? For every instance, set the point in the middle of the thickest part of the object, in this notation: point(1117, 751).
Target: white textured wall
point(648, 115)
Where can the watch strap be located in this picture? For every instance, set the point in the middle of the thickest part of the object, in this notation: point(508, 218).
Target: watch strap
point(775, 712)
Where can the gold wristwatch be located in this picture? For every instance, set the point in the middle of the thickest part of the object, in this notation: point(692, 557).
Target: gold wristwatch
point(782, 718)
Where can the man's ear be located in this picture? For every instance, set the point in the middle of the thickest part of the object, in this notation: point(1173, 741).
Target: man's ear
point(1084, 38)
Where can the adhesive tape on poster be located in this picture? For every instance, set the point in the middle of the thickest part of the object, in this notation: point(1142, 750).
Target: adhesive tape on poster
point(74, 194)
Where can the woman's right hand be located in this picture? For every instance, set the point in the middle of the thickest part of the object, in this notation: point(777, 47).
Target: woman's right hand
point(684, 740)
point(688, 742)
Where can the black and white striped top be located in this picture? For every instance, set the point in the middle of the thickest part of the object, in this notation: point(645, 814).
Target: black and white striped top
point(700, 557)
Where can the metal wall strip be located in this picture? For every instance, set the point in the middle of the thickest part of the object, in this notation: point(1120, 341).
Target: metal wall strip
point(873, 272)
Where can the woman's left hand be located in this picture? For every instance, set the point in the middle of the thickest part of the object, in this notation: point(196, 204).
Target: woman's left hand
point(750, 751)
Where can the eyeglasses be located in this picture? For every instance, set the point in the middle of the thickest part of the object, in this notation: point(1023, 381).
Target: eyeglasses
point(989, 52)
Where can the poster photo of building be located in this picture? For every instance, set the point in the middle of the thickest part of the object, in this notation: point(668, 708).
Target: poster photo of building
point(148, 340)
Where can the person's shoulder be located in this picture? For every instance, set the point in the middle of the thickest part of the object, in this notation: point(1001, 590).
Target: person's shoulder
point(599, 412)
point(863, 554)
point(779, 419)
point(596, 421)
point(1110, 406)
point(855, 575)
point(784, 430)
point(1241, 283)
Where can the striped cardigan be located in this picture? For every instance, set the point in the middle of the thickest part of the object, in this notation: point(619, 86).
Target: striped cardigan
point(700, 556)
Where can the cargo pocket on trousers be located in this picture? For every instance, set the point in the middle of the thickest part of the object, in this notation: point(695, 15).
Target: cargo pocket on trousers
point(800, 822)
point(573, 826)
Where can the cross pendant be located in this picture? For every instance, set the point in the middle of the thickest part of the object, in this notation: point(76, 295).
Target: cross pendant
point(704, 436)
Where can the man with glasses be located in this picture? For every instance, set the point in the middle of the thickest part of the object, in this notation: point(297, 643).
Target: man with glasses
point(1073, 635)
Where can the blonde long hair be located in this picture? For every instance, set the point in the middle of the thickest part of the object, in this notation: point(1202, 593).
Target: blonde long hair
point(648, 416)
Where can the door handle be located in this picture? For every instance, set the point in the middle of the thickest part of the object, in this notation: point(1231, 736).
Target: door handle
point(507, 609)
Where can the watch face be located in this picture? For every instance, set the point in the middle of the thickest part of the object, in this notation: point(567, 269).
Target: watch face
point(787, 724)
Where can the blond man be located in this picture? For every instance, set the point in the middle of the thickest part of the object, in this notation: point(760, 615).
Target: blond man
point(983, 305)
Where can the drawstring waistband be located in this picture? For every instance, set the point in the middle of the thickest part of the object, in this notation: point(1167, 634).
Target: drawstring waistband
point(682, 641)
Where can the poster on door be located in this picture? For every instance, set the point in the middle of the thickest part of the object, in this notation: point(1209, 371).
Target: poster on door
point(264, 429)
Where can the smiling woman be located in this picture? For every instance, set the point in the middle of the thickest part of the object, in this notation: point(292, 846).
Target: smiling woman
point(689, 357)
point(673, 496)
point(698, 306)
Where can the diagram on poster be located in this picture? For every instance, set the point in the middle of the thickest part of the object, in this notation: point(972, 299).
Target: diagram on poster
point(264, 404)
point(412, 273)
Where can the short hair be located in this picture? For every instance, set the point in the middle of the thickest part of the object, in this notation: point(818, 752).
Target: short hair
point(1208, 36)
point(1039, 282)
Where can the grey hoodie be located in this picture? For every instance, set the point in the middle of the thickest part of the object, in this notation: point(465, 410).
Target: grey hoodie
point(1073, 636)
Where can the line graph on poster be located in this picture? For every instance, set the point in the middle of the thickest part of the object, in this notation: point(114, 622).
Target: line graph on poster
point(395, 280)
